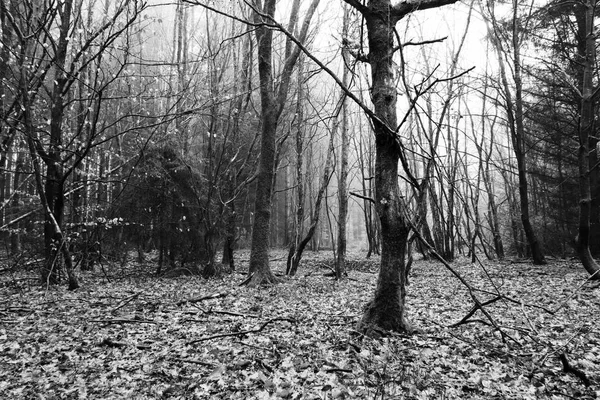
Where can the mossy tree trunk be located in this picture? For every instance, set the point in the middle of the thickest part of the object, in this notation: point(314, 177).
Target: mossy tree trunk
point(385, 312)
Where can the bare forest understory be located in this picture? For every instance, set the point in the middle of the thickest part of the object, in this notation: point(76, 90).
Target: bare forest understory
point(127, 334)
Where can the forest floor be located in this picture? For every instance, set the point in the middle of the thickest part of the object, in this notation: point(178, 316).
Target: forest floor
point(127, 334)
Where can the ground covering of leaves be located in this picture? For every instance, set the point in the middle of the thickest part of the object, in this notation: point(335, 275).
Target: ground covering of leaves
point(141, 337)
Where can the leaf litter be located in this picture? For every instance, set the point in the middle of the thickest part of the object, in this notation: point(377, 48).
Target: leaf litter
point(139, 336)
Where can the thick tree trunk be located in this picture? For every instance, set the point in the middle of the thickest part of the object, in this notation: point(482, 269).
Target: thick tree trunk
point(586, 129)
point(259, 269)
point(386, 310)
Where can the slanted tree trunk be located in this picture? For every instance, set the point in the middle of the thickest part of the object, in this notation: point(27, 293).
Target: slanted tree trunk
point(386, 310)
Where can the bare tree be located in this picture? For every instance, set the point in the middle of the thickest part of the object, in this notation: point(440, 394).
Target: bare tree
point(58, 55)
point(504, 41)
point(273, 99)
point(386, 310)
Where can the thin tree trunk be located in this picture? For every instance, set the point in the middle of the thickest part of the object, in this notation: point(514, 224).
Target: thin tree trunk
point(294, 260)
point(340, 260)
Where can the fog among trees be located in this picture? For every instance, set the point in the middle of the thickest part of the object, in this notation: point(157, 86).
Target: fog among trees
point(183, 132)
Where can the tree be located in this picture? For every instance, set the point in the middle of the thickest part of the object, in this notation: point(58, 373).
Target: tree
point(340, 259)
point(301, 239)
point(273, 98)
point(386, 310)
point(514, 107)
point(586, 52)
point(51, 59)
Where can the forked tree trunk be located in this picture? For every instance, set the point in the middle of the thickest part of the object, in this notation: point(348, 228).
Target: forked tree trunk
point(272, 103)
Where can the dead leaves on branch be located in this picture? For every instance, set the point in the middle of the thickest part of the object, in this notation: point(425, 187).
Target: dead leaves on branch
point(194, 338)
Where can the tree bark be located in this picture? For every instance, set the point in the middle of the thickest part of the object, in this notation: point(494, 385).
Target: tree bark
point(272, 99)
point(586, 130)
point(385, 312)
point(340, 259)
point(259, 256)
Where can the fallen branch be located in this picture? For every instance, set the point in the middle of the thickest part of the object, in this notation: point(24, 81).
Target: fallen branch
point(202, 298)
point(242, 333)
point(122, 321)
point(569, 368)
point(235, 314)
point(125, 302)
point(187, 360)
point(476, 307)
point(471, 290)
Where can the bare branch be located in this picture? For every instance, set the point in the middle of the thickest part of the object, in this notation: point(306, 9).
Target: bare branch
point(404, 8)
point(358, 6)
point(421, 43)
point(360, 196)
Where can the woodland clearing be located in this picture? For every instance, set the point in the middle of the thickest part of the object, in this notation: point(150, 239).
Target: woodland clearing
point(128, 334)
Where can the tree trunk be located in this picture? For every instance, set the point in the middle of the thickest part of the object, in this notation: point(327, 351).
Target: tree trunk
point(586, 130)
point(295, 256)
point(386, 310)
point(515, 116)
point(272, 99)
point(340, 259)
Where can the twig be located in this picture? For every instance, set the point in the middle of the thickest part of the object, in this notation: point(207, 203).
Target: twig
point(187, 360)
point(247, 280)
point(527, 319)
point(241, 333)
point(473, 310)
point(339, 370)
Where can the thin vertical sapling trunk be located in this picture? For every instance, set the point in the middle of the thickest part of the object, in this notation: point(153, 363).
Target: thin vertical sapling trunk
point(296, 255)
point(340, 259)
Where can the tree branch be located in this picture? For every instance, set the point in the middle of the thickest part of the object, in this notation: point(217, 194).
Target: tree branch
point(400, 10)
point(360, 196)
point(241, 333)
point(361, 8)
